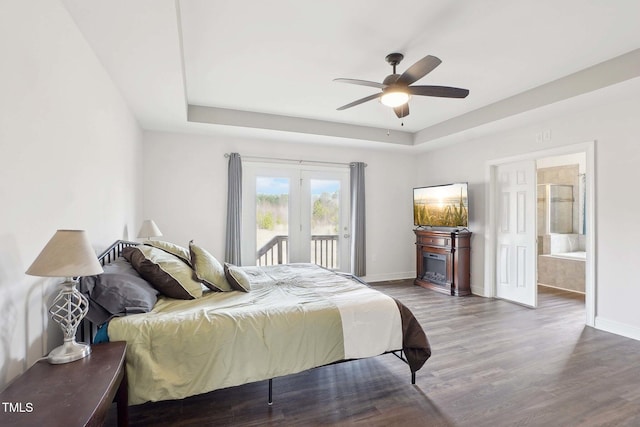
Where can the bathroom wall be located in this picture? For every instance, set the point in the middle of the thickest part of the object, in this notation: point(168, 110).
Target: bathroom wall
point(556, 270)
point(560, 175)
point(563, 170)
point(562, 273)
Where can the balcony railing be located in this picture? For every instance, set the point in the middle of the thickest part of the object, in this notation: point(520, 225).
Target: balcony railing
point(275, 251)
point(324, 251)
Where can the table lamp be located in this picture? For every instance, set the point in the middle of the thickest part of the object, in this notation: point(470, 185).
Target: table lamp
point(68, 254)
point(149, 229)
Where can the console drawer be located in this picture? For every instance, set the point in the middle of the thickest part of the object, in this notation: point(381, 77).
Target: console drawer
point(434, 241)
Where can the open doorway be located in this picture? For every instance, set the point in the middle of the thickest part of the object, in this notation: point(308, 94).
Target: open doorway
point(561, 227)
point(500, 255)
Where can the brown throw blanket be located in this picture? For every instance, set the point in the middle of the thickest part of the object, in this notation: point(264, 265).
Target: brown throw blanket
point(415, 344)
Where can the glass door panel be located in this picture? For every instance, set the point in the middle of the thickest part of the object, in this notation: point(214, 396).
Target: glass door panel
point(272, 220)
point(325, 218)
point(325, 222)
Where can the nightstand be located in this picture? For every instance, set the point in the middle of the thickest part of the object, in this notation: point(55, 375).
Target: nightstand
point(72, 394)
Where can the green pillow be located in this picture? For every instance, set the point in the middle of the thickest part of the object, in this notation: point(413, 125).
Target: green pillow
point(172, 248)
point(238, 279)
point(166, 272)
point(208, 269)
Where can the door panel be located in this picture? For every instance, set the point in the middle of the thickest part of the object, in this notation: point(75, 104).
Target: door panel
point(269, 201)
point(272, 220)
point(327, 217)
point(325, 222)
point(516, 240)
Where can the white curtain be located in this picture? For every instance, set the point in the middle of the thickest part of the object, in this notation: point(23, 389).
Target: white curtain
point(234, 210)
point(358, 227)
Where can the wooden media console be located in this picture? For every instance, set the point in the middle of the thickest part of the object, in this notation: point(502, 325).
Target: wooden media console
point(443, 261)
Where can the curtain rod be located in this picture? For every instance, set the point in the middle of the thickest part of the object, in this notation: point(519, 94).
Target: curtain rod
point(276, 159)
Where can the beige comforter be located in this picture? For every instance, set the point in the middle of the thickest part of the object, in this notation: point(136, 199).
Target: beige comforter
point(296, 317)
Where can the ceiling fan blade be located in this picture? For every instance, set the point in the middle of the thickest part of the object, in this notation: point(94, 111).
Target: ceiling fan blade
point(419, 70)
point(441, 91)
point(360, 101)
point(361, 83)
point(402, 111)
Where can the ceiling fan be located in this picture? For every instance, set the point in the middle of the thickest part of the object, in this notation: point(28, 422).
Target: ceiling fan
point(396, 89)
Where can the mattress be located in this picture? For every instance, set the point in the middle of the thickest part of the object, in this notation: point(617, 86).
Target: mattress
point(296, 317)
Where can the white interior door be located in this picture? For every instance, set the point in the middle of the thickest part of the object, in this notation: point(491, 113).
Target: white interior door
point(516, 274)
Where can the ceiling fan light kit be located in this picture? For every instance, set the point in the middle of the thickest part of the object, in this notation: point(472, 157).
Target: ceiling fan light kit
point(394, 98)
point(397, 89)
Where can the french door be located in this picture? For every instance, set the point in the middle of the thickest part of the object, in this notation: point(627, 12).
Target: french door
point(294, 213)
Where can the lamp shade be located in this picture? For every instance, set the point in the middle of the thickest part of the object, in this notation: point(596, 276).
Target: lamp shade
point(149, 229)
point(68, 254)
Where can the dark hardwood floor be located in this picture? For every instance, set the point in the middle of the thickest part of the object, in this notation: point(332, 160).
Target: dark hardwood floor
point(494, 364)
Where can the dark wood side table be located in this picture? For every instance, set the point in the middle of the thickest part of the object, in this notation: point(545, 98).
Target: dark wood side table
point(72, 394)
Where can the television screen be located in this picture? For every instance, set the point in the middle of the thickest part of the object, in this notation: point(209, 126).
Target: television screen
point(441, 206)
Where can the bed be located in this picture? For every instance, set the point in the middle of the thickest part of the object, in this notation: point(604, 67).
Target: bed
point(226, 325)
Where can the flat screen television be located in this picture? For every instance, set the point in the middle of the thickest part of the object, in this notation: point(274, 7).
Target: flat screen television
point(441, 206)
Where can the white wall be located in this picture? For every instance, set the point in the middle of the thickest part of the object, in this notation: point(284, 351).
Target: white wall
point(614, 124)
point(69, 156)
point(185, 183)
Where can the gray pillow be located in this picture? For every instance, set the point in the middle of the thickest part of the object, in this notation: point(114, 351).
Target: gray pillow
point(118, 291)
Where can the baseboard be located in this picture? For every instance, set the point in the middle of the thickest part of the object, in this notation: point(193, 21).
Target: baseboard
point(478, 290)
point(617, 328)
point(371, 278)
point(560, 289)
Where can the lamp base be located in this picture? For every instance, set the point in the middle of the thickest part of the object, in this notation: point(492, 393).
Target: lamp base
point(68, 352)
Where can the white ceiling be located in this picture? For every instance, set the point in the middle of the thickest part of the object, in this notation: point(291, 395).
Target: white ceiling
point(268, 66)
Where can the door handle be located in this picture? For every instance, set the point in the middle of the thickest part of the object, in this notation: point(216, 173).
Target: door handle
point(346, 236)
